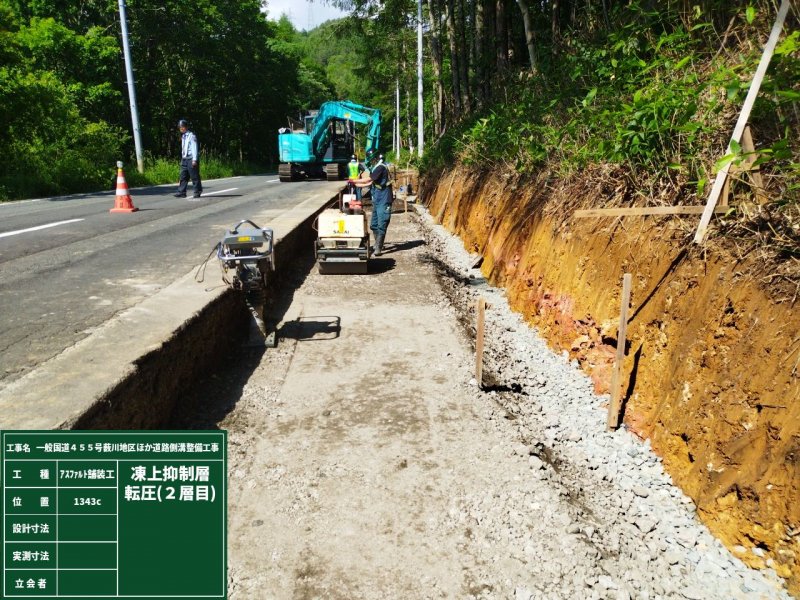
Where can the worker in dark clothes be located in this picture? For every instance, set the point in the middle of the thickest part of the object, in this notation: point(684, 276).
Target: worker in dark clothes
point(378, 179)
point(190, 161)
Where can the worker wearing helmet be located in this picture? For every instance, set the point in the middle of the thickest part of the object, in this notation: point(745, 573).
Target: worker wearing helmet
point(378, 179)
point(190, 161)
point(352, 175)
point(352, 168)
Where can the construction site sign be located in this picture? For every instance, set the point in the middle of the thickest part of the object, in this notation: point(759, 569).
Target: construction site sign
point(113, 514)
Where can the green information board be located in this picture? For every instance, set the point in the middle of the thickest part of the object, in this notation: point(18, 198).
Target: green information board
point(113, 514)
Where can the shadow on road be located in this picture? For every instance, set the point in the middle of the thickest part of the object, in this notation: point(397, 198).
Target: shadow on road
point(381, 265)
point(311, 329)
point(409, 245)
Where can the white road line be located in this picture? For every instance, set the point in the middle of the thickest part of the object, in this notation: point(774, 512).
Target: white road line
point(272, 180)
point(13, 202)
point(38, 227)
point(219, 192)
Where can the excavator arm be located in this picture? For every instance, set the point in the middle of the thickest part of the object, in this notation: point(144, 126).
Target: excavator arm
point(344, 111)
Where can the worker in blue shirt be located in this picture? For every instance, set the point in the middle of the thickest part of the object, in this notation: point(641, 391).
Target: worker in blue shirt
point(190, 161)
point(378, 179)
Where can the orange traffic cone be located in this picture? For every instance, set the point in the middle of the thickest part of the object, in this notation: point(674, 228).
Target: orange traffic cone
point(123, 202)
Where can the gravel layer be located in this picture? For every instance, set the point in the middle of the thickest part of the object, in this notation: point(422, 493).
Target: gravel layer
point(627, 531)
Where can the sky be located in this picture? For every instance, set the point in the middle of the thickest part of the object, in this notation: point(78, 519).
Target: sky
point(303, 14)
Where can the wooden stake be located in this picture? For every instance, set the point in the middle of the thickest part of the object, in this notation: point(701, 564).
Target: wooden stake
point(725, 194)
point(479, 342)
point(738, 130)
point(756, 181)
point(753, 172)
point(614, 405)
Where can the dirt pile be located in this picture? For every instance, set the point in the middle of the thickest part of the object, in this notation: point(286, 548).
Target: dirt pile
point(712, 374)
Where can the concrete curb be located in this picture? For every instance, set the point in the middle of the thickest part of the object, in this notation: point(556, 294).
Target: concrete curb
point(127, 373)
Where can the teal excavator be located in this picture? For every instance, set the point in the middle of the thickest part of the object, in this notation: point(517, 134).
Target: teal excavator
point(321, 145)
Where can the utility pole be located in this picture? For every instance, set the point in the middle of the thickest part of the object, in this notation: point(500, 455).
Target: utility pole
point(397, 118)
point(137, 138)
point(420, 136)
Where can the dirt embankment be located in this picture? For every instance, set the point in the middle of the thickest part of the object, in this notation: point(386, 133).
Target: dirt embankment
point(711, 374)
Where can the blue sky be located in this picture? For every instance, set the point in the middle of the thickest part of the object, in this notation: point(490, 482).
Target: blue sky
point(303, 14)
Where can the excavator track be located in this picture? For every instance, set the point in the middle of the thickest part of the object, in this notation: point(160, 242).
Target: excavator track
point(285, 172)
point(332, 172)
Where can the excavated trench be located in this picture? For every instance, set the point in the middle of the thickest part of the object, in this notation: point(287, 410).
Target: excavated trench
point(711, 370)
point(149, 396)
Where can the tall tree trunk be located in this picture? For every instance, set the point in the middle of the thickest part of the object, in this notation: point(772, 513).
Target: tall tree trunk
point(489, 55)
point(463, 56)
point(530, 33)
point(409, 126)
point(472, 7)
point(555, 27)
point(454, 67)
point(479, 62)
point(501, 35)
point(401, 76)
point(435, 42)
point(516, 36)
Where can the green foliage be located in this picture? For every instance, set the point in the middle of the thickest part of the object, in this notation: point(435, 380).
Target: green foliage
point(650, 93)
point(159, 171)
point(64, 111)
point(50, 147)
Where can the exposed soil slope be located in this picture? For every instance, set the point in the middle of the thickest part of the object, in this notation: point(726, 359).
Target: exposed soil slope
point(711, 374)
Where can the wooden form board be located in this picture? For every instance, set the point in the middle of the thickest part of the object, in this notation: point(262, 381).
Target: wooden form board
point(641, 211)
point(738, 130)
point(748, 147)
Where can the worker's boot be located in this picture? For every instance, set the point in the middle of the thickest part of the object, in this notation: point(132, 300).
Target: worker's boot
point(378, 244)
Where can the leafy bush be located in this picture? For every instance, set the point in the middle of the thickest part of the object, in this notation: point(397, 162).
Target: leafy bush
point(51, 148)
point(653, 94)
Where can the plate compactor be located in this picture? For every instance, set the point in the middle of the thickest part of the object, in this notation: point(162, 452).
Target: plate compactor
point(342, 244)
point(247, 252)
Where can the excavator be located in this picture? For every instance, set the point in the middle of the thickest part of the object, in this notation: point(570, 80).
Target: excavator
point(322, 143)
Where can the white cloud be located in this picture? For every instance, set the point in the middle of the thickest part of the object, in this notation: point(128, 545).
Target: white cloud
point(304, 14)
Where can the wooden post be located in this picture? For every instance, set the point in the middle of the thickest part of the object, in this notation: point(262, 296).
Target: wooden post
point(479, 342)
point(614, 405)
point(756, 181)
point(753, 172)
point(726, 192)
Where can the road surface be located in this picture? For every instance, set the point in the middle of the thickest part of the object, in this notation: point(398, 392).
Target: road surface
point(67, 265)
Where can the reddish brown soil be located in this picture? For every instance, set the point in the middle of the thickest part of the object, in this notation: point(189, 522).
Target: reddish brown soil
point(711, 375)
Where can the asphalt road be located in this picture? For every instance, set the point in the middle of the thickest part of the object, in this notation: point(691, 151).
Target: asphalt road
point(67, 264)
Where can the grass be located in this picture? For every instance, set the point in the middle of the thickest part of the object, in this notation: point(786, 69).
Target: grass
point(157, 171)
point(161, 170)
